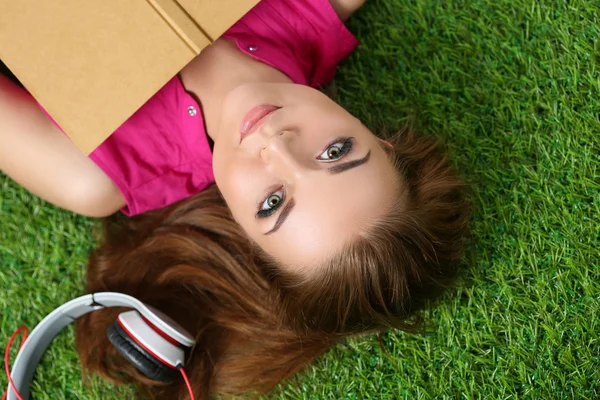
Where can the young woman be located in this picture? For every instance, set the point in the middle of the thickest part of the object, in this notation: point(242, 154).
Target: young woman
point(316, 229)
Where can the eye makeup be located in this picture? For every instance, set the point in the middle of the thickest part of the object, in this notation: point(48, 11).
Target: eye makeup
point(345, 149)
point(264, 213)
point(265, 210)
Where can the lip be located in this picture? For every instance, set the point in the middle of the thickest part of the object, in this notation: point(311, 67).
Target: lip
point(254, 119)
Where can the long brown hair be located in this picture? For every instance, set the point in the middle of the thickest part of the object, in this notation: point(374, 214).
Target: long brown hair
point(256, 325)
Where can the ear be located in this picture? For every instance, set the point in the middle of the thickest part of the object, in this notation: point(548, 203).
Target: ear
point(388, 144)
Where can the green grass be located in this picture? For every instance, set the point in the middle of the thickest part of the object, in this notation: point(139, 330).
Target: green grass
point(513, 88)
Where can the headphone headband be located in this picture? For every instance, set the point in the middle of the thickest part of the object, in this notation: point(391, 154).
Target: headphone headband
point(40, 338)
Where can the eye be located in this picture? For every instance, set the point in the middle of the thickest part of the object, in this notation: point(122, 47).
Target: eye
point(269, 205)
point(336, 150)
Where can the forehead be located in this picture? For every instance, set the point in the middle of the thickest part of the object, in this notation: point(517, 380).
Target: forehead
point(332, 209)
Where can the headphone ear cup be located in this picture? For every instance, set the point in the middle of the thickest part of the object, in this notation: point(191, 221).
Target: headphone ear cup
point(140, 358)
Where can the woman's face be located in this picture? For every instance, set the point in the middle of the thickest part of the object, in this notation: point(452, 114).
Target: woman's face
point(300, 174)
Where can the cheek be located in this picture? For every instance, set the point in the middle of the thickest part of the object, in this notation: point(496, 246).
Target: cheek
point(225, 166)
point(239, 183)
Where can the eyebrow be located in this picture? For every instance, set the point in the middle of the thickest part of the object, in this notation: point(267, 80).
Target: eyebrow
point(336, 169)
point(339, 168)
point(282, 216)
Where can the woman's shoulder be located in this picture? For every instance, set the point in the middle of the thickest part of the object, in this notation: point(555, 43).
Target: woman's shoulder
point(304, 39)
point(161, 154)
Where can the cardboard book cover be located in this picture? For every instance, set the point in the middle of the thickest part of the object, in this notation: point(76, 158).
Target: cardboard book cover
point(92, 64)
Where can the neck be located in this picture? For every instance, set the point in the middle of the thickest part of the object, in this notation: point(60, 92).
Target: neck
point(218, 70)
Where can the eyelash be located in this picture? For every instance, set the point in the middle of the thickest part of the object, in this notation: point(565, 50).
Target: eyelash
point(268, 212)
point(347, 144)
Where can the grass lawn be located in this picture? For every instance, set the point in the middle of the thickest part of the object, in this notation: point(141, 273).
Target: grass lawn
point(513, 88)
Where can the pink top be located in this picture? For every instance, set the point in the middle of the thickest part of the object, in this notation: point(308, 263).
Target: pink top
point(161, 154)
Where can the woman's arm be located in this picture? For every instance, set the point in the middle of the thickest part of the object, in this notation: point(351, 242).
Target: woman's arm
point(38, 156)
point(345, 8)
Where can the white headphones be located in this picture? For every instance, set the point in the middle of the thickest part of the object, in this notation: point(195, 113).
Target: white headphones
point(149, 339)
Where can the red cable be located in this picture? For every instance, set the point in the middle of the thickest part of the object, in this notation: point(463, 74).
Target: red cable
point(7, 359)
point(187, 381)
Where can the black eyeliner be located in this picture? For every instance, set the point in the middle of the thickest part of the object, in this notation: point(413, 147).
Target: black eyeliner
point(346, 148)
point(336, 140)
point(267, 213)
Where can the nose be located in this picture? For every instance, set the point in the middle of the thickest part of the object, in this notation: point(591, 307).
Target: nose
point(279, 156)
